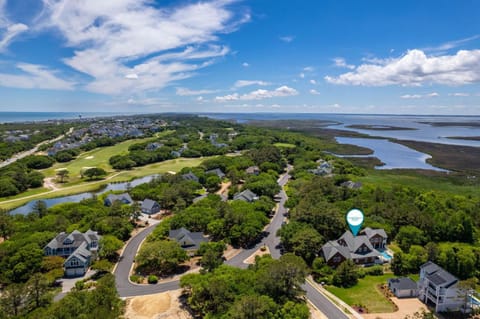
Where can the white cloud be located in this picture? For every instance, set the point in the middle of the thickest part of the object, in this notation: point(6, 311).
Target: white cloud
point(200, 99)
point(131, 76)
point(302, 75)
point(416, 68)
point(308, 69)
point(243, 83)
point(282, 91)
point(188, 92)
point(459, 94)
point(313, 82)
point(341, 63)
point(314, 92)
point(8, 30)
point(420, 96)
point(287, 38)
point(33, 76)
point(452, 44)
point(115, 38)
point(245, 64)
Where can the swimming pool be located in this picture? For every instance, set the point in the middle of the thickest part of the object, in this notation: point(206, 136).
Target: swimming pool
point(386, 255)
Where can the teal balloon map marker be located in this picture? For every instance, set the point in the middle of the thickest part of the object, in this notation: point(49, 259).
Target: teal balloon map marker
point(355, 220)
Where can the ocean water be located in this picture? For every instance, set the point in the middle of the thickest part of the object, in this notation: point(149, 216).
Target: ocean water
point(9, 117)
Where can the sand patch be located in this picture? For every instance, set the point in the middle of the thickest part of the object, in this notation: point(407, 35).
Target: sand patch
point(259, 252)
point(89, 157)
point(158, 306)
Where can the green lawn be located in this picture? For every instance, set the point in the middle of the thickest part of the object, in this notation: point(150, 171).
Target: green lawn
point(285, 145)
point(366, 293)
point(95, 158)
point(76, 188)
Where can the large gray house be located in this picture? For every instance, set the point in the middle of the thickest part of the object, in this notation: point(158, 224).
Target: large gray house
point(78, 249)
point(189, 241)
point(150, 206)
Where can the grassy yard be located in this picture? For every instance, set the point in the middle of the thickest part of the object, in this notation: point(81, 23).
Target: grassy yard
point(285, 145)
point(366, 293)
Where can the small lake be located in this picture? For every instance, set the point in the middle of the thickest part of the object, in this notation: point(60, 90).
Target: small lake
point(392, 154)
point(28, 207)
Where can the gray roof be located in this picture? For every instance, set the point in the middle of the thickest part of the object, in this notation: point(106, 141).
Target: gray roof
point(353, 243)
point(246, 195)
point(252, 170)
point(190, 177)
point(347, 245)
point(438, 275)
point(331, 248)
point(402, 283)
point(183, 234)
point(372, 232)
point(125, 197)
point(76, 237)
point(352, 185)
point(148, 204)
point(217, 172)
point(81, 253)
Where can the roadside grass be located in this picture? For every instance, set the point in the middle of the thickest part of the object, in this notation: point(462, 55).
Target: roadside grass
point(415, 179)
point(174, 165)
point(366, 293)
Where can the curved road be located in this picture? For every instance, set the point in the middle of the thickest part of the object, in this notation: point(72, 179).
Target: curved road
point(127, 289)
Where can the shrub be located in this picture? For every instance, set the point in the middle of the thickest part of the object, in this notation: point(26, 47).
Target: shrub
point(136, 278)
point(374, 271)
point(152, 279)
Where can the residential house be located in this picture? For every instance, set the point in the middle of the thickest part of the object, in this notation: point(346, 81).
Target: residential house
point(150, 206)
point(403, 287)
point(123, 198)
point(187, 240)
point(324, 168)
point(253, 170)
point(351, 185)
point(357, 248)
point(377, 237)
point(246, 195)
point(190, 177)
point(217, 172)
point(78, 249)
point(438, 288)
point(153, 146)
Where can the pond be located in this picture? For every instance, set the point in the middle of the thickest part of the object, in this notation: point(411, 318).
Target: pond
point(27, 208)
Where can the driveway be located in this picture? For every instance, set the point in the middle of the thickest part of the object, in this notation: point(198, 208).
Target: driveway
point(127, 289)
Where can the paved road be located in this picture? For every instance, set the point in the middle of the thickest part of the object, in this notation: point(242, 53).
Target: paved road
point(127, 289)
point(18, 156)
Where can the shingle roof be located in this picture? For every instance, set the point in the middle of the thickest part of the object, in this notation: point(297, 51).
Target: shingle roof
point(246, 195)
point(148, 204)
point(372, 232)
point(76, 237)
point(184, 235)
point(125, 197)
point(331, 248)
point(402, 283)
point(217, 172)
point(190, 177)
point(438, 275)
point(81, 253)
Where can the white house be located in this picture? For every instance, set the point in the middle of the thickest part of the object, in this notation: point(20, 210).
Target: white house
point(438, 288)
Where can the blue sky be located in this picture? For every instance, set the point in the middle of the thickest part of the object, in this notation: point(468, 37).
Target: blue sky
point(329, 56)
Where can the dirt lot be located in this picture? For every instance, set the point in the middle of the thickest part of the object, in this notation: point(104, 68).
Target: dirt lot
point(406, 306)
point(159, 306)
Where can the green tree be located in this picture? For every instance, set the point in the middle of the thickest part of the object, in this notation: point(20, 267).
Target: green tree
point(160, 256)
point(62, 175)
point(253, 307)
point(37, 287)
point(409, 235)
point(109, 245)
point(212, 255)
point(13, 299)
point(306, 243)
point(346, 274)
point(398, 264)
point(94, 173)
point(6, 224)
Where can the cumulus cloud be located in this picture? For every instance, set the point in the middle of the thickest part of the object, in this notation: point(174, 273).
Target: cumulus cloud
point(115, 38)
point(313, 82)
point(341, 63)
point(33, 76)
point(419, 96)
point(188, 92)
point(282, 91)
point(414, 69)
point(287, 38)
point(245, 64)
point(243, 83)
point(302, 75)
point(314, 92)
point(308, 69)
